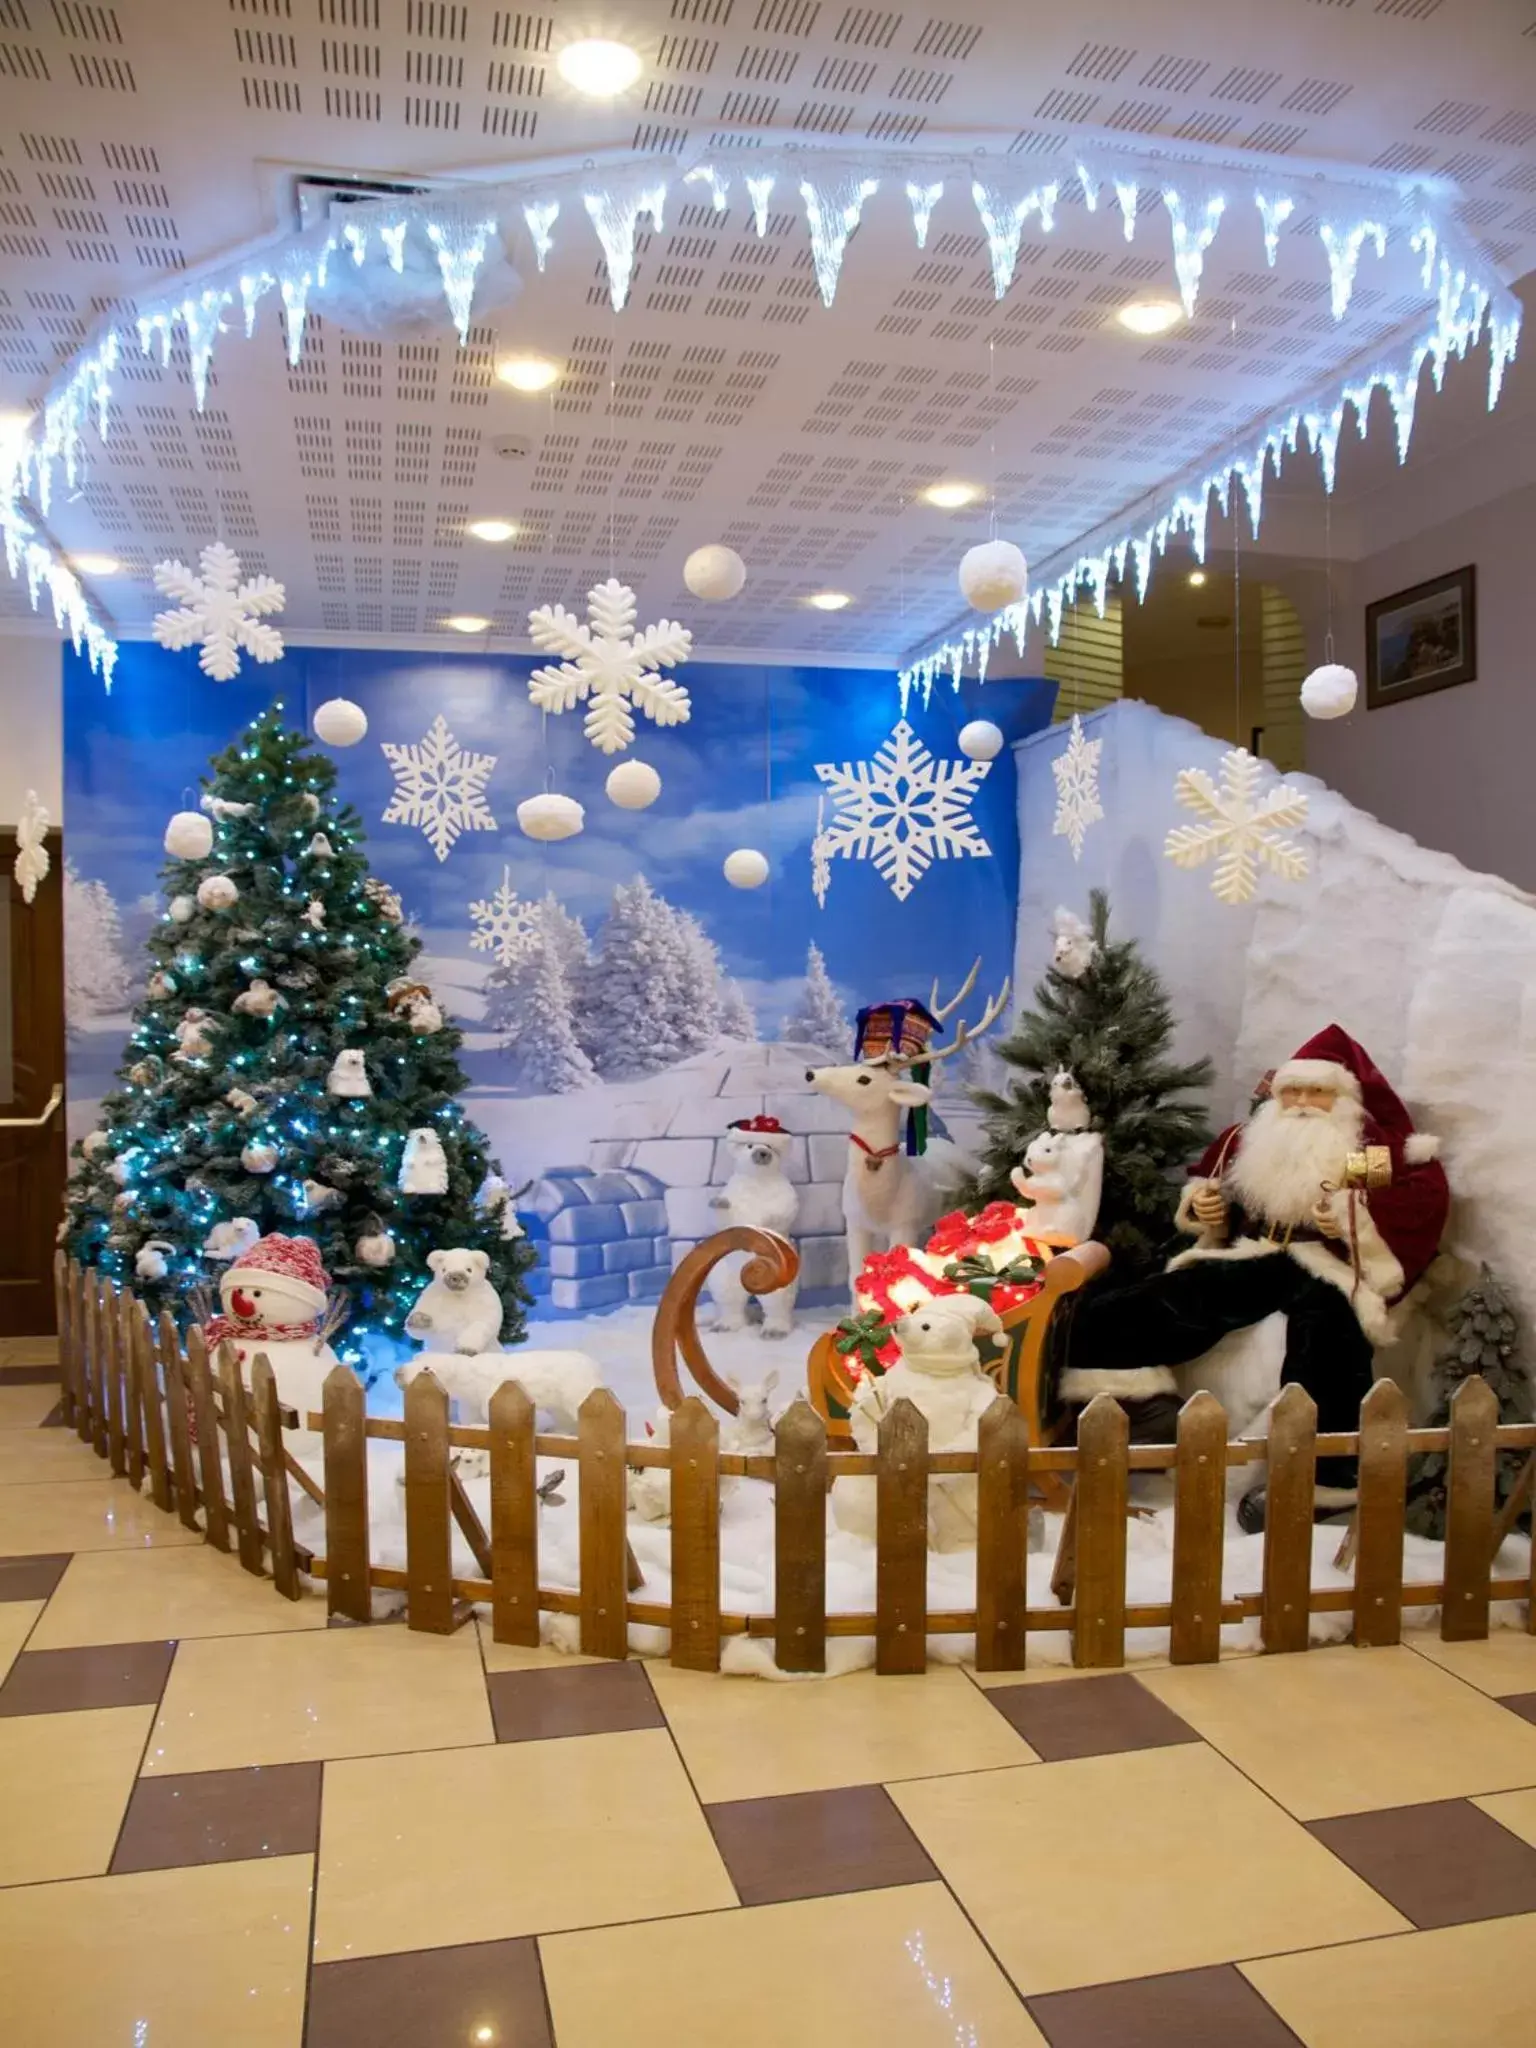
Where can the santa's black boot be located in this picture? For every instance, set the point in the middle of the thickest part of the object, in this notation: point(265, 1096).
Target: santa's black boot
point(1329, 1504)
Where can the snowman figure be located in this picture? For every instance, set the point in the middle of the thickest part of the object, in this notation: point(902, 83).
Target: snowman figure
point(274, 1297)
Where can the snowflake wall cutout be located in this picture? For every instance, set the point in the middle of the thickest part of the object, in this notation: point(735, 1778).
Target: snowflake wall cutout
point(220, 610)
point(1076, 769)
point(609, 665)
point(903, 810)
point(1240, 830)
point(504, 924)
point(439, 787)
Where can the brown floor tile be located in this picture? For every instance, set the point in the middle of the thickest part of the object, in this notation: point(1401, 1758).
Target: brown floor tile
point(1521, 1703)
point(1188, 2009)
point(68, 1681)
point(432, 1998)
point(221, 1817)
point(29, 1375)
point(591, 1699)
point(1089, 1717)
point(32, 1578)
point(54, 1419)
point(807, 1845)
point(1439, 1864)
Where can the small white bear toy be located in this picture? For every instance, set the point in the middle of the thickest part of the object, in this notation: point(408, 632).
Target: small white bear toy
point(458, 1310)
point(259, 1000)
point(1075, 948)
point(761, 1194)
point(348, 1076)
point(424, 1164)
point(1063, 1177)
point(193, 1041)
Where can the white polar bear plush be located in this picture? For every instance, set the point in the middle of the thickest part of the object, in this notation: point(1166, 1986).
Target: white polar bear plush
point(1063, 1177)
point(759, 1193)
point(424, 1164)
point(458, 1310)
point(555, 1381)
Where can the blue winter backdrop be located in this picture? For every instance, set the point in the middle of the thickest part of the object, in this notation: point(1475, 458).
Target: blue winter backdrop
point(617, 1107)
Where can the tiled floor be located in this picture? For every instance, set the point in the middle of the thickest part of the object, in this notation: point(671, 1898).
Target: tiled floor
point(221, 1821)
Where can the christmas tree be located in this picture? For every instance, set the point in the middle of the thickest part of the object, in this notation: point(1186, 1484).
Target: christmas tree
point(281, 1056)
point(736, 1018)
point(1482, 1336)
point(1107, 1019)
point(819, 1020)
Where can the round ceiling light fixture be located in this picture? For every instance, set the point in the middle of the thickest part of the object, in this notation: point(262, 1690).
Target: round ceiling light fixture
point(95, 565)
point(950, 497)
point(830, 600)
point(528, 373)
point(598, 68)
point(1150, 316)
point(1197, 579)
point(467, 622)
point(492, 529)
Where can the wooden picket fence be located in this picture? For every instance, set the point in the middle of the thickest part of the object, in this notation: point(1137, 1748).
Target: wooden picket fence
point(127, 1386)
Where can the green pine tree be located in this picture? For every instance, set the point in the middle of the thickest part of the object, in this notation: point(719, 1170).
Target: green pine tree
point(1482, 1336)
point(1112, 1028)
point(208, 1092)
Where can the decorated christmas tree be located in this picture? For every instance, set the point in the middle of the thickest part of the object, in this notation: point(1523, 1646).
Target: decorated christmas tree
point(1101, 1013)
point(286, 1071)
point(1483, 1337)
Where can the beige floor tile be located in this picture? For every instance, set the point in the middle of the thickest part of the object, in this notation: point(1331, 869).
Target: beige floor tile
point(210, 1957)
point(29, 1351)
point(1047, 1674)
point(887, 1969)
point(30, 1457)
point(16, 1622)
point(481, 1844)
point(84, 1514)
point(509, 1657)
point(1450, 1988)
point(1130, 1865)
point(64, 1785)
point(288, 1699)
point(25, 1407)
point(752, 1739)
point(1505, 1663)
point(1513, 1810)
point(110, 1596)
point(1347, 1731)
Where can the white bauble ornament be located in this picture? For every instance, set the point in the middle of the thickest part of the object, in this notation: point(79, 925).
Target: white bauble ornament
point(993, 574)
point(1330, 691)
point(348, 1076)
point(714, 572)
point(181, 909)
point(189, 836)
point(549, 816)
point(633, 785)
point(216, 892)
point(981, 740)
point(376, 1248)
point(746, 868)
point(258, 1156)
point(340, 722)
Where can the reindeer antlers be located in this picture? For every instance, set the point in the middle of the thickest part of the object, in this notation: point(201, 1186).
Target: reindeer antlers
point(941, 1010)
point(965, 1034)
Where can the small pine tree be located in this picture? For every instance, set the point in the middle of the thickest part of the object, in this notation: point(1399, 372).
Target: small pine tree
point(819, 1019)
point(698, 986)
point(736, 1018)
point(529, 1004)
point(628, 994)
point(1112, 1027)
point(208, 1090)
point(96, 975)
point(1483, 1336)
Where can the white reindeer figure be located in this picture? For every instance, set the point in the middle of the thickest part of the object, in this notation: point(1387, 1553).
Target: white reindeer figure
point(889, 1199)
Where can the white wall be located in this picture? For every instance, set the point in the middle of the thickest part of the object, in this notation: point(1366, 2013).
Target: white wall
point(31, 723)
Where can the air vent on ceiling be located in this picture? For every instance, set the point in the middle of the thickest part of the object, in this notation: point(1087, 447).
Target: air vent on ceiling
point(320, 196)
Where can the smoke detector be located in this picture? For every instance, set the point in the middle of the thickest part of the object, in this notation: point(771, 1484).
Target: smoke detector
point(512, 448)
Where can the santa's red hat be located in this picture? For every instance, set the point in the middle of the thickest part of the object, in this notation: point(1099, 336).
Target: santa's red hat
point(767, 1127)
point(1332, 1059)
point(293, 1260)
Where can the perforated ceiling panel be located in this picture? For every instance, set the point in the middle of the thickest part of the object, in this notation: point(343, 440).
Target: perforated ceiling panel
point(725, 402)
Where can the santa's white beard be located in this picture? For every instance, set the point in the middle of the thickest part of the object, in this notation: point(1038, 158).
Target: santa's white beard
point(1287, 1154)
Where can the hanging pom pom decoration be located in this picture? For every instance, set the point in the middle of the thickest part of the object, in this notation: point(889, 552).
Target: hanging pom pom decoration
point(746, 868)
point(1330, 691)
point(714, 573)
point(376, 1247)
point(633, 785)
point(993, 575)
point(258, 1156)
point(216, 892)
point(181, 909)
point(981, 740)
point(550, 816)
point(189, 836)
point(340, 723)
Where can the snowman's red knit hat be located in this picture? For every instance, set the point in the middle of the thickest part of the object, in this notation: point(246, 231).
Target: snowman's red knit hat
point(294, 1260)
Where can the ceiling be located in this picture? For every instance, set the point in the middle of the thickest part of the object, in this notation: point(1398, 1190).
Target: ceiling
point(725, 402)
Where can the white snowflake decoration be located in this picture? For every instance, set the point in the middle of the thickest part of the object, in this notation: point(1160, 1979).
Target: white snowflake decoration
point(609, 665)
point(821, 864)
point(32, 863)
point(219, 610)
point(505, 924)
point(903, 810)
point(1076, 769)
point(439, 787)
point(1240, 829)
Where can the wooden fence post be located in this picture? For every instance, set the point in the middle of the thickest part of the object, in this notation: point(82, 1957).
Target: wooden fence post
point(200, 1378)
point(1285, 1617)
point(800, 1539)
point(84, 1335)
point(514, 1519)
point(128, 1318)
point(901, 1541)
point(101, 1362)
point(111, 1352)
point(428, 1520)
point(1002, 1537)
point(176, 1398)
point(274, 1478)
point(1103, 1442)
point(61, 1311)
point(1469, 1512)
point(694, 1448)
point(242, 1476)
point(1379, 1516)
point(1199, 1531)
point(154, 1415)
point(604, 1559)
point(347, 1593)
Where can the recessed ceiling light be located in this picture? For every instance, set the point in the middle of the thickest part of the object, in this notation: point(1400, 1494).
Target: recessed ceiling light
point(492, 529)
point(950, 497)
point(528, 373)
point(13, 423)
point(467, 622)
point(1197, 577)
point(601, 70)
point(1150, 316)
point(830, 600)
point(95, 565)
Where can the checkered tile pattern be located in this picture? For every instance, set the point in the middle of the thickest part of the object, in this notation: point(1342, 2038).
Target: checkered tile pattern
point(362, 1836)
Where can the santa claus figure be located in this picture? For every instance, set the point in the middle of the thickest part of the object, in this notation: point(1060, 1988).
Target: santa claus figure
point(1325, 1207)
point(274, 1298)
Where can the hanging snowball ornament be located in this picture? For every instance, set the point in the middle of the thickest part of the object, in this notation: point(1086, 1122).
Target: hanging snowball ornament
point(189, 836)
point(633, 786)
point(217, 892)
point(993, 574)
point(550, 816)
point(180, 909)
point(714, 573)
point(376, 1247)
point(341, 723)
point(258, 1156)
point(746, 868)
point(1330, 691)
point(981, 740)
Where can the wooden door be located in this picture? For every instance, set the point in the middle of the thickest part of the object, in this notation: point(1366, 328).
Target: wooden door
point(32, 1143)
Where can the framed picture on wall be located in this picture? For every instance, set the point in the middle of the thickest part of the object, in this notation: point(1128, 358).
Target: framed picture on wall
point(1421, 639)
